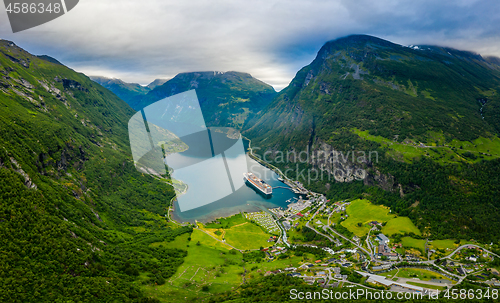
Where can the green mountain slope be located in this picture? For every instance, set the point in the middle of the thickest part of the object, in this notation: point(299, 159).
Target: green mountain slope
point(430, 114)
point(76, 218)
point(227, 99)
point(128, 92)
point(156, 82)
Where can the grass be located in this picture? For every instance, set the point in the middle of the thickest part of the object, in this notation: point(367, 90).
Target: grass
point(413, 243)
point(426, 285)
point(400, 225)
point(205, 264)
point(362, 211)
point(227, 222)
point(247, 236)
point(443, 152)
point(180, 242)
point(422, 274)
point(443, 244)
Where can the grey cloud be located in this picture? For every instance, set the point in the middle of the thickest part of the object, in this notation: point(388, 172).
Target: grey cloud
point(142, 40)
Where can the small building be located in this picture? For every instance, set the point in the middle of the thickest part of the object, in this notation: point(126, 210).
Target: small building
point(382, 239)
point(317, 261)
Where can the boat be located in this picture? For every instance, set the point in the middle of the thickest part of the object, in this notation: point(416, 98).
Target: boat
point(280, 179)
point(257, 183)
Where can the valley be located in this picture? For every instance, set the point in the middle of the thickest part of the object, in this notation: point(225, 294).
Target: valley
point(82, 224)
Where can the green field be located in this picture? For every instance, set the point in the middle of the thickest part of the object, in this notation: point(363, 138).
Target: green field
point(422, 274)
point(409, 242)
point(180, 242)
point(400, 225)
point(426, 285)
point(362, 211)
point(218, 268)
point(227, 222)
point(247, 236)
point(446, 152)
point(443, 244)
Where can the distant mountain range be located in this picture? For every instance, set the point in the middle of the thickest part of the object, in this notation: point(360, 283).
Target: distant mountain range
point(226, 98)
point(128, 92)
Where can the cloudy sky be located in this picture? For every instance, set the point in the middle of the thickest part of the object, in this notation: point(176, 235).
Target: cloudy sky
point(139, 41)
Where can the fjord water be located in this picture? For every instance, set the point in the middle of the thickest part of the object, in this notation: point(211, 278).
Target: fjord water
point(244, 199)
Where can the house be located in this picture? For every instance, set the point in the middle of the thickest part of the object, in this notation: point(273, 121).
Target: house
point(336, 270)
point(317, 261)
point(461, 271)
point(299, 214)
point(382, 239)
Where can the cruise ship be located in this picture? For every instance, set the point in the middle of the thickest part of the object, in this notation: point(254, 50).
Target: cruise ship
point(258, 183)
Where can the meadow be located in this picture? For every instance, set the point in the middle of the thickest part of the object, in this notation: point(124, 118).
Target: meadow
point(409, 242)
point(362, 211)
point(400, 225)
point(443, 244)
point(247, 236)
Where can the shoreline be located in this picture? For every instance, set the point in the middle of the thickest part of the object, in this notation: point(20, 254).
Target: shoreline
point(269, 166)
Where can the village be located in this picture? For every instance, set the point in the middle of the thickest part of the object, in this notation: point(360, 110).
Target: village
point(362, 255)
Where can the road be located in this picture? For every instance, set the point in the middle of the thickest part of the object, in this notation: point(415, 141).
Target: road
point(338, 234)
point(466, 245)
point(309, 226)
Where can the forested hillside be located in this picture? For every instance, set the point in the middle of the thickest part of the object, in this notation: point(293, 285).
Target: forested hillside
point(76, 218)
point(431, 114)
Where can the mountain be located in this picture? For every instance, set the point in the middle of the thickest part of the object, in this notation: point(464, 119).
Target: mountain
point(430, 114)
point(155, 83)
point(226, 98)
point(128, 92)
point(76, 217)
